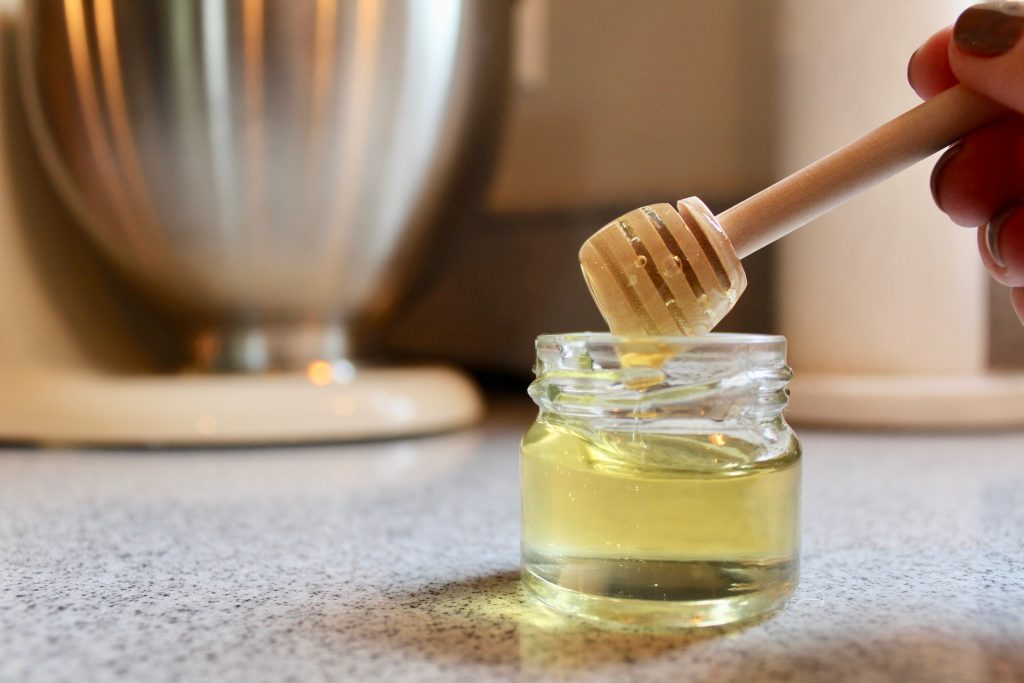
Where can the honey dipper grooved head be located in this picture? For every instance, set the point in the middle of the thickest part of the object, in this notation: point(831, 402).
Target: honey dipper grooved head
point(659, 271)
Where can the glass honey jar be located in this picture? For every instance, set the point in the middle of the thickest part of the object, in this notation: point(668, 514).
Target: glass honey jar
point(660, 481)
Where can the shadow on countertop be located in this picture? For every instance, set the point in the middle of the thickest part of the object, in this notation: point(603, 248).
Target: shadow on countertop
point(488, 627)
point(490, 621)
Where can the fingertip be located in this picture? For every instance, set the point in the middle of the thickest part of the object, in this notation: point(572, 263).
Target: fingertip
point(980, 176)
point(954, 200)
point(1001, 244)
point(1017, 299)
point(939, 172)
point(928, 70)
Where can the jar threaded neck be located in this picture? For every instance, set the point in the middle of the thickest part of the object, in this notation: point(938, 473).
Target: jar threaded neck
point(741, 379)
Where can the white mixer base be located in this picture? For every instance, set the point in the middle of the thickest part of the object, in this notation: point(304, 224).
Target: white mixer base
point(946, 402)
point(81, 408)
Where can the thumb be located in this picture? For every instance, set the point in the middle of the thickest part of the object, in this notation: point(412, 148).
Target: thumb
point(987, 51)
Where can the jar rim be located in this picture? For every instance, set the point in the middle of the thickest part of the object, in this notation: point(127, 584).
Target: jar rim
point(703, 339)
point(597, 375)
point(712, 341)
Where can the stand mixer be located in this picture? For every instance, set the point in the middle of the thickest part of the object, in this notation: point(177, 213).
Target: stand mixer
point(257, 177)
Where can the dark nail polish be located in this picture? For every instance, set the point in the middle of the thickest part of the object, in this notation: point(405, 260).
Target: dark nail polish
point(940, 167)
point(989, 29)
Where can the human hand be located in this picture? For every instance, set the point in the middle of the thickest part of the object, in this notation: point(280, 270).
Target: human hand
point(980, 180)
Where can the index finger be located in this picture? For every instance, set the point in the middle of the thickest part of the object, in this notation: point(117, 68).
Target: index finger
point(929, 72)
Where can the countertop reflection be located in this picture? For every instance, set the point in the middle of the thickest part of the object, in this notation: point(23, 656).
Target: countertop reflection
point(397, 561)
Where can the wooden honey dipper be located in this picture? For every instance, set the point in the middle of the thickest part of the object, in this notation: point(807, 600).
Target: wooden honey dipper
point(664, 271)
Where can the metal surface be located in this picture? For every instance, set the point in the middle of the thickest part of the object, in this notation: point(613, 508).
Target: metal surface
point(264, 168)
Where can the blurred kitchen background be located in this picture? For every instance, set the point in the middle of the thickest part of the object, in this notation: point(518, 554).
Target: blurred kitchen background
point(593, 107)
point(616, 104)
point(613, 105)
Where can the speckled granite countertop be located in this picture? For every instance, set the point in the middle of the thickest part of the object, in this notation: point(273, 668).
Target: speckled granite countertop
point(397, 561)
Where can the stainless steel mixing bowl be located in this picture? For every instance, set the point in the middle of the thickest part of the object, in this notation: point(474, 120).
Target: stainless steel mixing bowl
point(266, 168)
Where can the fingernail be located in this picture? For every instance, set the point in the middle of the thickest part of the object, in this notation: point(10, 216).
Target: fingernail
point(910, 65)
point(992, 230)
point(940, 167)
point(989, 29)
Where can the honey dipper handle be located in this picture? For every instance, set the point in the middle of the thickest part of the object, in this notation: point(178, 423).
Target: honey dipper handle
point(812, 191)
